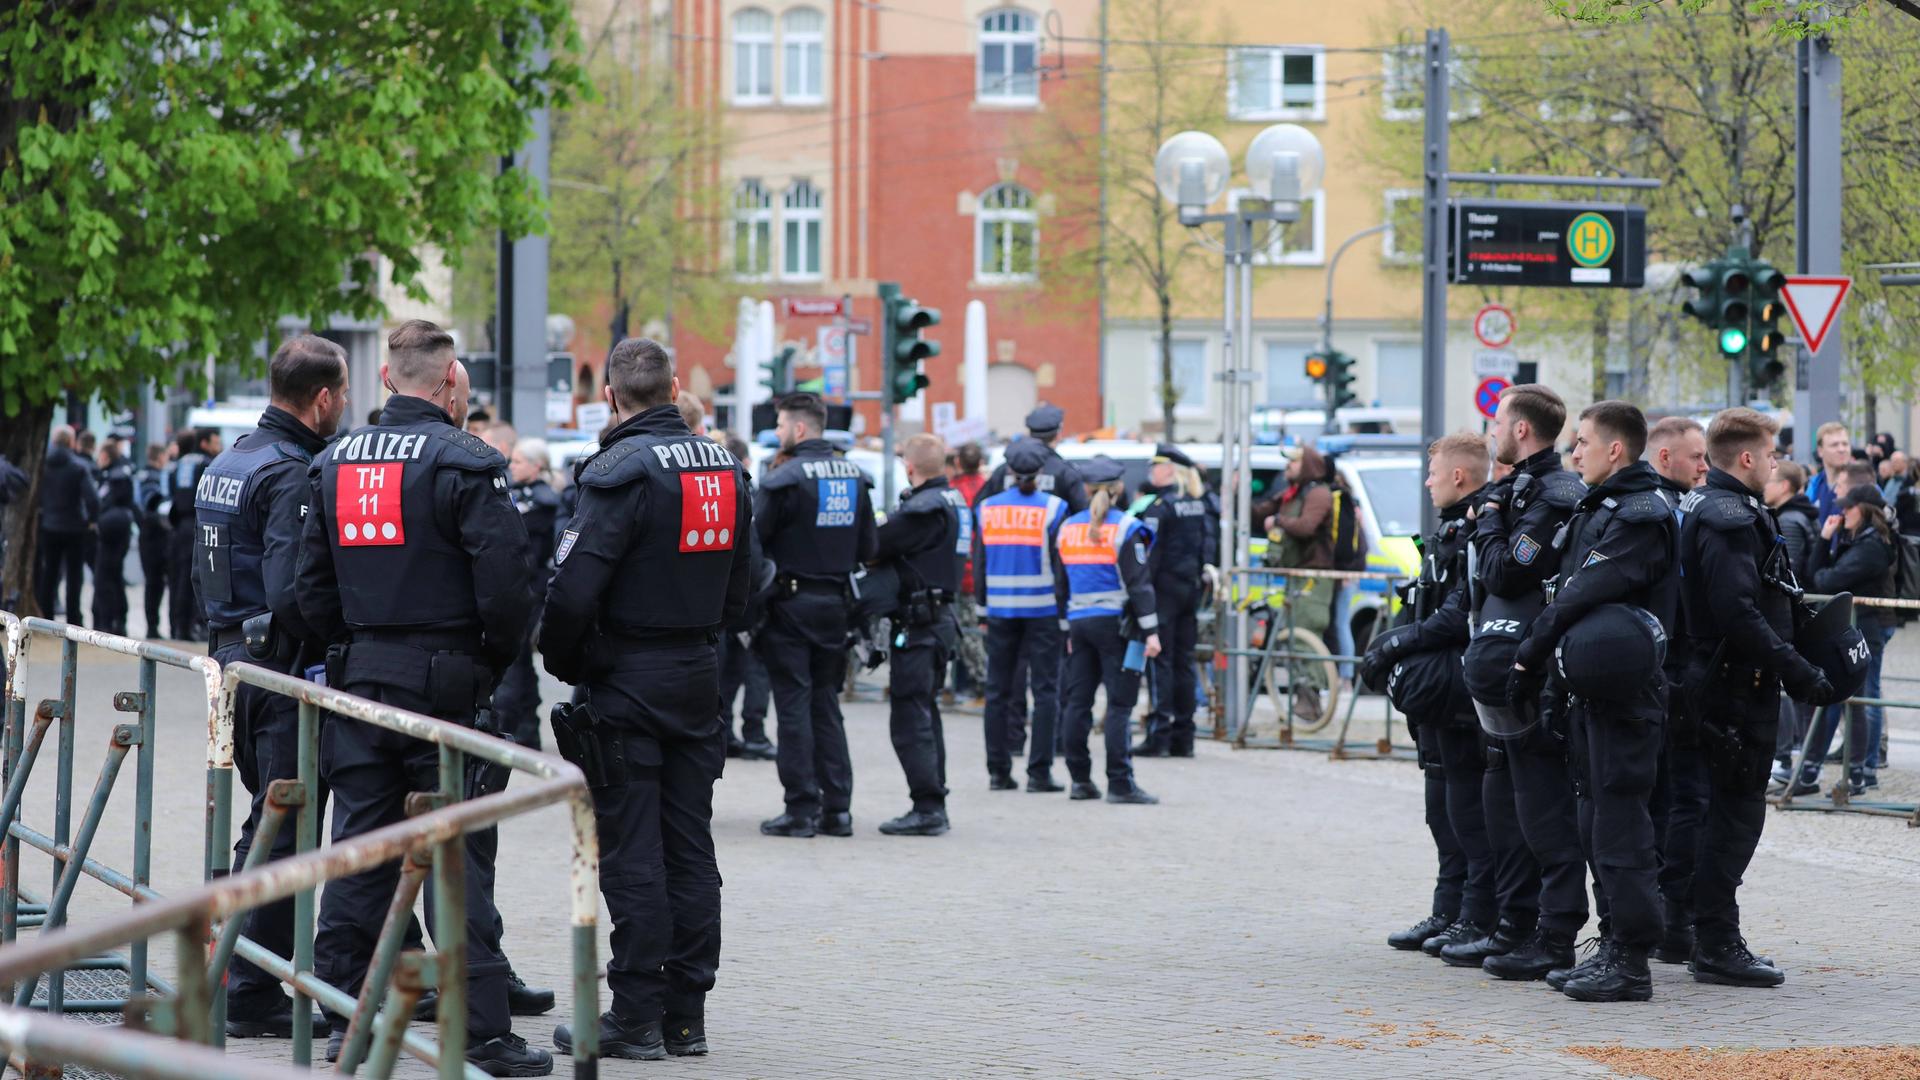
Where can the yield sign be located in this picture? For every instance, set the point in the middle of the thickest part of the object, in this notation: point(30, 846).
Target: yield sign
point(1813, 302)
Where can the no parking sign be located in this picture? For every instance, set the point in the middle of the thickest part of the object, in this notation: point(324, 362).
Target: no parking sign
point(1486, 396)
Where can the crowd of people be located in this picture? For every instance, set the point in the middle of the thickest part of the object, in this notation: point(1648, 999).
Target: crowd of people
point(1592, 660)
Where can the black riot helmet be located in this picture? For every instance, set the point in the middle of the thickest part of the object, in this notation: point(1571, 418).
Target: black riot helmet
point(1830, 642)
point(876, 592)
point(1384, 640)
point(1497, 630)
point(1428, 685)
point(1612, 652)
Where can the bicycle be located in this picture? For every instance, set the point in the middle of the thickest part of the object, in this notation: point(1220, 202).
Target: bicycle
point(1283, 672)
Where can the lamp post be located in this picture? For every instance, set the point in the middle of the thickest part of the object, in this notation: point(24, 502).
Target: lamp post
point(1192, 169)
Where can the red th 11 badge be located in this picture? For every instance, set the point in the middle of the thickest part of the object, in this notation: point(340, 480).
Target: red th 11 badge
point(707, 511)
point(366, 505)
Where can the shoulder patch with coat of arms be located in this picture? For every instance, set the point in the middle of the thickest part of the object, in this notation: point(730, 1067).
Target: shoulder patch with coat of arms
point(566, 545)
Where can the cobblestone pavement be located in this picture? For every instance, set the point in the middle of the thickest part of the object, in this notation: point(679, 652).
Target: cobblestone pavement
point(1236, 930)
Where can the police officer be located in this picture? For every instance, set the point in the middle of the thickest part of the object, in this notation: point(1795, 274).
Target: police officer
point(926, 540)
point(814, 515)
point(653, 563)
point(1677, 450)
point(1058, 477)
point(1451, 749)
point(149, 495)
point(1185, 519)
point(516, 704)
point(69, 506)
point(1739, 610)
point(414, 556)
point(1532, 821)
point(1619, 549)
point(250, 509)
point(198, 447)
point(115, 485)
point(1013, 540)
point(1105, 602)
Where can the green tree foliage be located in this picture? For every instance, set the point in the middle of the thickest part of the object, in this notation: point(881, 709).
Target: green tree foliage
point(1789, 18)
point(176, 176)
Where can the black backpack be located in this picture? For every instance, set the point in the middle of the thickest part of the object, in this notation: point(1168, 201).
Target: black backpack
point(1349, 545)
point(1905, 574)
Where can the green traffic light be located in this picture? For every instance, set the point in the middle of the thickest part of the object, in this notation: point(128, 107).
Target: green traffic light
point(1733, 340)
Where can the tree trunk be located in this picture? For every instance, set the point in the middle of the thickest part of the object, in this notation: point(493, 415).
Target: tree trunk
point(23, 441)
point(1169, 393)
point(1602, 331)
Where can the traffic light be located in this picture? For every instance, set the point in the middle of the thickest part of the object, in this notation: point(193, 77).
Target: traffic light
point(1764, 336)
point(778, 372)
point(1333, 370)
point(904, 347)
point(1705, 279)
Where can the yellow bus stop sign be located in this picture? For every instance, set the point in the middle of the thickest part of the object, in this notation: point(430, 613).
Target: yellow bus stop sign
point(1590, 239)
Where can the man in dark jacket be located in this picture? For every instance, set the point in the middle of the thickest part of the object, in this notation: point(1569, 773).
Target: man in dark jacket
point(69, 507)
point(1060, 477)
point(198, 448)
point(115, 486)
point(1800, 532)
point(149, 496)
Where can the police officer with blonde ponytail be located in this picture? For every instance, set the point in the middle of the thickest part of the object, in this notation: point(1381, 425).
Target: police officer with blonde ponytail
point(1104, 592)
point(1185, 519)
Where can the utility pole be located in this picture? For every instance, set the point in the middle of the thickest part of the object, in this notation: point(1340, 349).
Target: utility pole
point(1433, 310)
point(1816, 219)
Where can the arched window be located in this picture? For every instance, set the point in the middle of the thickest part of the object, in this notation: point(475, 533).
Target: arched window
point(752, 57)
point(800, 231)
point(1008, 234)
point(1009, 47)
point(802, 32)
point(752, 230)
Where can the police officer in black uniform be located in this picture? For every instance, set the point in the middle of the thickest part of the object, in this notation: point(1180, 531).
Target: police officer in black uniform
point(814, 515)
point(1185, 519)
point(1739, 628)
point(198, 448)
point(115, 484)
point(149, 495)
point(1528, 793)
point(250, 510)
point(925, 540)
point(516, 704)
point(653, 563)
point(1451, 747)
point(1620, 549)
point(1058, 477)
point(742, 675)
point(69, 508)
point(415, 563)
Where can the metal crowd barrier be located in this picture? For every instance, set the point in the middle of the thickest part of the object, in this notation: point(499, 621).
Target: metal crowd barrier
point(207, 921)
point(1246, 586)
point(1838, 799)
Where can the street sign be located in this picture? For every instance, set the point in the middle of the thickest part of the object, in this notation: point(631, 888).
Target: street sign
point(1814, 302)
point(1486, 396)
point(863, 327)
point(811, 305)
point(1557, 244)
point(1494, 326)
point(835, 361)
point(1499, 364)
point(591, 416)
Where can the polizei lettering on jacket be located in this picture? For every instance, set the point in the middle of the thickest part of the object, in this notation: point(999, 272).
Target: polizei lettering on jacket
point(380, 446)
point(693, 454)
point(825, 468)
point(222, 491)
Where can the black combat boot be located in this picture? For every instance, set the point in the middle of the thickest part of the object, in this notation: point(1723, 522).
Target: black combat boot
point(1002, 782)
point(1733, 964)
point(620, 1038)
point(1043, 784)
point(916, 823)
point(1180, 745)
point(1535, 958)
point(1455, 933)
point(1131, 794)
point(509, 1055)
point(1676, 940)
point(524, 1000)
point(686, 1037)
point(1620, 974)
point(1411, 938)
point(832, 824)
point(757, 749)
point(1557, 978)
point(1084, 789)
point(1154, 739)
point(1505, 938)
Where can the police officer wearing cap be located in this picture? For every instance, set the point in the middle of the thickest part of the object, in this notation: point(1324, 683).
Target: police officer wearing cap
point(1185, 519)
point(926, 540)
point(814, 515)
point(1104, 592)
point(1013, 540)
point(1739, 602)
point(1057, 477)
point(415, 563)
point(1449, 741)
point(250, 509)
point(653, 563)
point(1527, 798)
point(1620, 550)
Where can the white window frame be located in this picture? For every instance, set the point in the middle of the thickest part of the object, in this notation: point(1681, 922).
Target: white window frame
point(1389, 247)
point(810, 47)
point(1276, 57)
point(753, 55)
point(1272, 254)
point(1005, 41)
point(1408, 76)
point(800, 206)
point(1184, 408)
point(750, 215)
point(986, 216)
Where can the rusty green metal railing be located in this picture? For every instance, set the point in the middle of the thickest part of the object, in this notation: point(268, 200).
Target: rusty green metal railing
point(207, 922)
point(1838, 798)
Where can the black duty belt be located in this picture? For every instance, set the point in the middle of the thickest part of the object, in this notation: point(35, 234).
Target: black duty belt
point(455, 641)
point(220, 637)
point(661, 637)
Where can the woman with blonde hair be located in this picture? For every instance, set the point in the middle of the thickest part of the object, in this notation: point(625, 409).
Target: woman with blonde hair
point(1106, 603)
point(1185, 520)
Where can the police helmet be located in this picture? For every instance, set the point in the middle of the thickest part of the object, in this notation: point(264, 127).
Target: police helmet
point(1612, 653)
point(876, 592)
point(1497, 630)
point(1427, 684)
point(1384, 640)
point(1831, 642)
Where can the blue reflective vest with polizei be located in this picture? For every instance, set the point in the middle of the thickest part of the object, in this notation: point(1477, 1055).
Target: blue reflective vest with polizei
point(1092, 562)
point(1016, 535)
